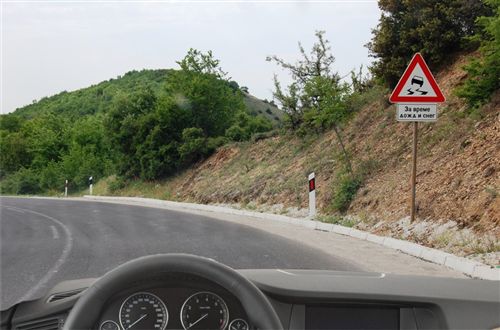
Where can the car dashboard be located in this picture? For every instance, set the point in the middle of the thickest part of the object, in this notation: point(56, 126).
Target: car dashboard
point(303, 299)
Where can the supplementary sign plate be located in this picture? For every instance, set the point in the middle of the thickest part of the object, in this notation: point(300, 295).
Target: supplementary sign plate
point(416, 112)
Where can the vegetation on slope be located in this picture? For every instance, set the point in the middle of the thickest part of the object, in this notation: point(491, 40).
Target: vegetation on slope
point(145, 125)
point(457, 155)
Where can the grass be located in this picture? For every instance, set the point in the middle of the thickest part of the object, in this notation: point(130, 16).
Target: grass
point(338, 220)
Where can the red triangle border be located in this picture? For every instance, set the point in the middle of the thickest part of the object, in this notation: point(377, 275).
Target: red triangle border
point(396, 98)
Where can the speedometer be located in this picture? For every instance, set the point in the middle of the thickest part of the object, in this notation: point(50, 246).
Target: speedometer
point(143, 310)
point(204, 310)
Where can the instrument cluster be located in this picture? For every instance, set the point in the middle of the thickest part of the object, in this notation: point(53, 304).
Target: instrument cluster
point(174, 308)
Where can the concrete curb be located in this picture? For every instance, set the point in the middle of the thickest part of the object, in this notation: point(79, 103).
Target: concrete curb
point(464, 265)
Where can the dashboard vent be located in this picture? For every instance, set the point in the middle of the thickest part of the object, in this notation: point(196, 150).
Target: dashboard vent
point(64, 295)
point(51, 323)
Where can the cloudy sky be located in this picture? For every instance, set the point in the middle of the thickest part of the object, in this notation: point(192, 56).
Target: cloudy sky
point(51, 46)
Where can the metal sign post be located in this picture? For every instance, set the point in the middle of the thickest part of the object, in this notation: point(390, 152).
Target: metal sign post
point(416, 95)
point(312, 195)
point(414, 171)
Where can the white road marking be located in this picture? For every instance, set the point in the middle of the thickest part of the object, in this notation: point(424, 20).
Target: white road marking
point(14, 209)
point(62, 258)
point(285, 272)
point(55, 233)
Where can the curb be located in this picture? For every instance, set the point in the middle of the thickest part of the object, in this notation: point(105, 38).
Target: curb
point(469, 267)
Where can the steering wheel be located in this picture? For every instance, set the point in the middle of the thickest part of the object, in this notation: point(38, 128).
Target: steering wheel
point(87, 309)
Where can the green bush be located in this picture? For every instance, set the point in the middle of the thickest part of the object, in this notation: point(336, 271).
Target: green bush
point(117, 183)
point(23, 182)
point(484, 73)
point(345, 191)
point(194, 145)
point(236, 133)
point(246, 125)
point(214, 142)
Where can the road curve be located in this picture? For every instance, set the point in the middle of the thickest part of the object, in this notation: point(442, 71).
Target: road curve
point(46, 241)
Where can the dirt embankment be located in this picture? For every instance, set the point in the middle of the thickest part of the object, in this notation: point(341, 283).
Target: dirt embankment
point(458, 165)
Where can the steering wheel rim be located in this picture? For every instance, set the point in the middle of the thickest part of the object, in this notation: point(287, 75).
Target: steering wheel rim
point(87, 309)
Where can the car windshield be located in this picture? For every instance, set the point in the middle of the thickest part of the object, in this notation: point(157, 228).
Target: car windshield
point(355, 136)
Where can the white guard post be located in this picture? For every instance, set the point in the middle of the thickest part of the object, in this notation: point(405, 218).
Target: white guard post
point(312, 195)
point(91, 179)
point(66, 189)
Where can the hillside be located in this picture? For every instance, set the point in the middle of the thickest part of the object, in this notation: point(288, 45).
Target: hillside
point(458, 178)
point(145, 124)
point(264, 108)
point(100, 97)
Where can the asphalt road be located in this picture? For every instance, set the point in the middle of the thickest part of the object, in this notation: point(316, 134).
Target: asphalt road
point(46, 241)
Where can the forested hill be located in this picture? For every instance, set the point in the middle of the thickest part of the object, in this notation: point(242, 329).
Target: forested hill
point(145, 124)
point(99, 98)
point(96, 98)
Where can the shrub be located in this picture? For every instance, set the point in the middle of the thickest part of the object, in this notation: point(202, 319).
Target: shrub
point(345, 191)
point(236, 133)
point(483, 73)
point(117, 183)
point(193, 145)
point(25, 181)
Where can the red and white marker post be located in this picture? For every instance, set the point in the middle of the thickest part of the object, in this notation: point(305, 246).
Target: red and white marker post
point(312, 195)
point(416, 96)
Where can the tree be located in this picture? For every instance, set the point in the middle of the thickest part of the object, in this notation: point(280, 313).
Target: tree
point(434, 28)
point(157, 135)
point(194, 145)
point(316, 98)
point(202, 63)
point(484, 72)
point(201, 90)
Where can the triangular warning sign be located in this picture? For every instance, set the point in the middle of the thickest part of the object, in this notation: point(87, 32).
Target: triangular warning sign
point(417, 85)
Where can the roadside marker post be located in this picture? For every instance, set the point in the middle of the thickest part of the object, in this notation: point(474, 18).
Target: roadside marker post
point(416, 95)
point(66, 189)
point(91, 180)
point(312, 195)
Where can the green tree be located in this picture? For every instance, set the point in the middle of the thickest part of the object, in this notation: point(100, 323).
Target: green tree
point(434, 28)
point(194, 145)
point(201, 90)
point(316, 99)
point(484, 72)
point(14, 153)
point(202, 63)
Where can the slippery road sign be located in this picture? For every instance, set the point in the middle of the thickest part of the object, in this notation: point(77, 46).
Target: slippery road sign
point(417, 85)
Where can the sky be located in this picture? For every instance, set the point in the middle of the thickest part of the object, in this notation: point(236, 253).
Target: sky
point(51, 46)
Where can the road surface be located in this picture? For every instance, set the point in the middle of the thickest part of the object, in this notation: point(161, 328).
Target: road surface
point(46, 241)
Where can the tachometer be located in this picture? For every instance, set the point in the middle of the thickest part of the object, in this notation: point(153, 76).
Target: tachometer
point(204, 310)
point(143, 310)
